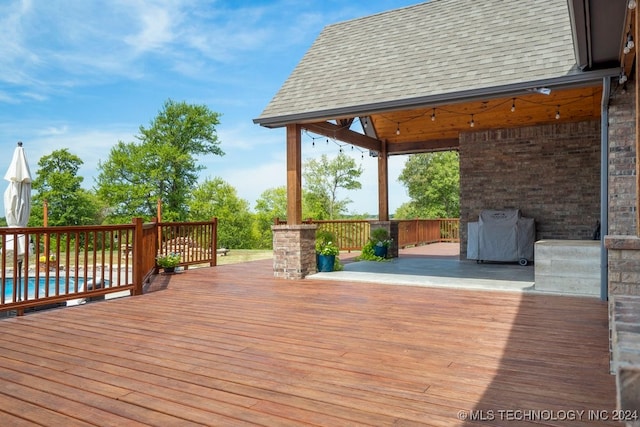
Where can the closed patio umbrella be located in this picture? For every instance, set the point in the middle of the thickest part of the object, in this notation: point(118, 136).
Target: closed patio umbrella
point(17, 198)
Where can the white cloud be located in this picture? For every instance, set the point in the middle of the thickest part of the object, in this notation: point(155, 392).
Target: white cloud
point(156, 26)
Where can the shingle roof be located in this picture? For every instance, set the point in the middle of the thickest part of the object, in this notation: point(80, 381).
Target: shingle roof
point(439, 47)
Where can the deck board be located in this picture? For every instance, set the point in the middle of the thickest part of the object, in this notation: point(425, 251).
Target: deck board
point(231, 345)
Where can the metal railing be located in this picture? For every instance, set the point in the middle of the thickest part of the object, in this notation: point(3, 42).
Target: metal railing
point(42, 266)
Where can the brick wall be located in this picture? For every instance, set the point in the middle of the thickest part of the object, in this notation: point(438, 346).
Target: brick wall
point(622, 162)
point(551, 173)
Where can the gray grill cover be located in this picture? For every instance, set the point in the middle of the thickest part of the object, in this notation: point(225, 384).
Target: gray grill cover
point(502, 236)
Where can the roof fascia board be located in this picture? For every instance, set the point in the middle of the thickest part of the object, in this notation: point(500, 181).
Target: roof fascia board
point(564, 82)
point(579, 15)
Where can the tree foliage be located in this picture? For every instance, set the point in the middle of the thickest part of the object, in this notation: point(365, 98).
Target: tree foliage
point(271, 204)
point(433, 184)
point(162, 164)
point(57, 182)
point(217, 198)
point(323, 179)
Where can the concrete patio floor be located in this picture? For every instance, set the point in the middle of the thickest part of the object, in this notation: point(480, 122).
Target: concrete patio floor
point(435, 265)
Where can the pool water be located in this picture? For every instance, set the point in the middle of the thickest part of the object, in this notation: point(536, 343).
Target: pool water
point(42, 287)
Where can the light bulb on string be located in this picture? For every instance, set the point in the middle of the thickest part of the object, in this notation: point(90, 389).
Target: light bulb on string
point(398, 129)
point(513, 105)
point(472, 123)
point(629, 45)
point(558, 113)
point(433, 115)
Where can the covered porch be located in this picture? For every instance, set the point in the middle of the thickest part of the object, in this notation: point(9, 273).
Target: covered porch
point(232, 345)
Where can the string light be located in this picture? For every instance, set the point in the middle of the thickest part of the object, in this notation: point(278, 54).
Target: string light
point(513, 105)
point(558, 113)
point(472, 123)
point(629, 45)
point(398, 129)
point(622, 79)
point(341, 147)
point(433, 115)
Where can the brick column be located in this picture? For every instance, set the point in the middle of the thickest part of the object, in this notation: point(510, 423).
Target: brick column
point(624, 281)
point(294, 253)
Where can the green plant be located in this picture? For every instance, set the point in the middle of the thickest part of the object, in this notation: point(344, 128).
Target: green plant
point(325, 243)
point(168, 261)
point(368, 253)
point(380, 237)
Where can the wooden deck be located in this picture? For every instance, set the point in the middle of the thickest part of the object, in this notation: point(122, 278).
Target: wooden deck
point(230, 346)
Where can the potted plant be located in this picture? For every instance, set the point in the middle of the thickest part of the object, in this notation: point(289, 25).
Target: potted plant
point(381, 241)
point(168, 262)
point(326, 251)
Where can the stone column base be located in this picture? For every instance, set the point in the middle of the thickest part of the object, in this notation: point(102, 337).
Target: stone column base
point(294, 252)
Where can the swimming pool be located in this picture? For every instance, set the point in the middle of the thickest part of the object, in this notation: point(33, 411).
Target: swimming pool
point(55, 287)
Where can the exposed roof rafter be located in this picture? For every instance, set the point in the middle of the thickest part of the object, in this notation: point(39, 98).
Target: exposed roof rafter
point(343, 134)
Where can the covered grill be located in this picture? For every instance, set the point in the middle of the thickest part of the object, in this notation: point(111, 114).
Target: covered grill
point(501, 235)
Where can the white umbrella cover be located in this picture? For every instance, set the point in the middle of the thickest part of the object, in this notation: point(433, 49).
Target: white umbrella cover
point(17, 197)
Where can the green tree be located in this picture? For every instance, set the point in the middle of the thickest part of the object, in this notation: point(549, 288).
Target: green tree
point(217, 198)
point(323, 179)
point(271, 204)
point(161, 165)
point(58, 183)
point(433, 184)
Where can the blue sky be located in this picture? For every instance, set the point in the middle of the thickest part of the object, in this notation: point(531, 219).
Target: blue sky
point(85, 74)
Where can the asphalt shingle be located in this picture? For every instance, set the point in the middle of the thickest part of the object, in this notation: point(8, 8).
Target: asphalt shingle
point(439, 47)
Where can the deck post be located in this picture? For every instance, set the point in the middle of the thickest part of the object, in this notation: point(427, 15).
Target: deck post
point(138, 273)
point(214, 242)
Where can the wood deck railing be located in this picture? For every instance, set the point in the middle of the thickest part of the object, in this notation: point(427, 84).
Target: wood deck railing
point(354, 234)
point(414, 232)
point(350, 234)
point(75, 263)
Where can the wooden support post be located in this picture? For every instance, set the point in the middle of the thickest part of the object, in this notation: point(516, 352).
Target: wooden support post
point(383, 184)
point(294, 174)
point(214, 242)
point(138, 273)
